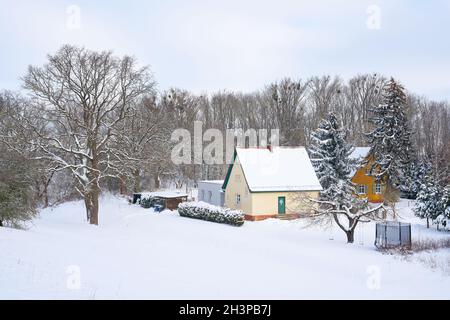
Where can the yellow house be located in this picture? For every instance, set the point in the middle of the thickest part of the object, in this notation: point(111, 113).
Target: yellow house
point(271, 182)
point(366, 185)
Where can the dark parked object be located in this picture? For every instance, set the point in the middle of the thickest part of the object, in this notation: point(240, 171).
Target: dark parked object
point(136, 197)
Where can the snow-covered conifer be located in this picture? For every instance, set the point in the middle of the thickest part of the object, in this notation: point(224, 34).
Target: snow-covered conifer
point(390, 137)
point(429, 200)
point(330, 155)
point(443, 218)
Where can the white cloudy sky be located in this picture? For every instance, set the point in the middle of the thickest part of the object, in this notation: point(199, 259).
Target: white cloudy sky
point(239, 45)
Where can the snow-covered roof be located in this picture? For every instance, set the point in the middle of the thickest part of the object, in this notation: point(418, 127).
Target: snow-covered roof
point(163, 194)
point(279, 169)
point(212, 181)
point(360, 153)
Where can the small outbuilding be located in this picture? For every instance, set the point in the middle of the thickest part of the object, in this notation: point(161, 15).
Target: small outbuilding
point(168, 199)
point(211, 191)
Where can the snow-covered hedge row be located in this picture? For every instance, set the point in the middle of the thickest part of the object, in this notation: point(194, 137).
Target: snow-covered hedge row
point(208, 212)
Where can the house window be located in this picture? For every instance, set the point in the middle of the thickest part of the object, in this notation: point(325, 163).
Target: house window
point(377, 188)
point(202, 195)
point(209, 196)
point(238, 199)
point(361, 189)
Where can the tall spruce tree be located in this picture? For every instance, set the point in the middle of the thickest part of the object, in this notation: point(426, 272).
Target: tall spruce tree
point(390, 138)
point(330, 156)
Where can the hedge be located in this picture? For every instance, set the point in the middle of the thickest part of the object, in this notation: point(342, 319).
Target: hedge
point(208, 212)
point(147, 202)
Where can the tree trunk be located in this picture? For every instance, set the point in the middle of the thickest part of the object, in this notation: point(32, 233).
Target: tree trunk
point(1, 223)
point(88, 206)
point(157, 181)
point(137, 180)
point(94, 207)
point(123, 188)
point(350, 236)
point(428, 223)
point(45, 195)
point(94, 188)
point(91, 204)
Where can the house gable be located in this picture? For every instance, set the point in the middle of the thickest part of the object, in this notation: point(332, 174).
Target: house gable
point(366, 185)
point(237, 192)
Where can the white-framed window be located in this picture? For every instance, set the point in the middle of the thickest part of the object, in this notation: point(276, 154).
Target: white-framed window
point(361, 189)
point(238, 199)
point(377, 188)
point(209, 195)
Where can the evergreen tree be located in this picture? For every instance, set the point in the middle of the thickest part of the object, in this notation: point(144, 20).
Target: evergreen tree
point(330, 155)
point(414, 177)
point(17, 197)
point(390, 139)
point(444, 217)
point(429, 200)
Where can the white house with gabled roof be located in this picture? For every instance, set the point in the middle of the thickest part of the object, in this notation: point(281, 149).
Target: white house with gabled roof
point(270, 182)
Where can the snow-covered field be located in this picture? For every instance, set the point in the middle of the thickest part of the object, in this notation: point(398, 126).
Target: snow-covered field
point(136, 254)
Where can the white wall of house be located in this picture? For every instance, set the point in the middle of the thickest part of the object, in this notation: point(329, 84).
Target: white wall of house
point(210, 191)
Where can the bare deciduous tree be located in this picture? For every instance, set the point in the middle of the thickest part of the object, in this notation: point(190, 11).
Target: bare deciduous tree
point(83, 96)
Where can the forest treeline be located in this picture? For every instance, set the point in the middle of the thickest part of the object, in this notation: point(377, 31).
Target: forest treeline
point(87, 121)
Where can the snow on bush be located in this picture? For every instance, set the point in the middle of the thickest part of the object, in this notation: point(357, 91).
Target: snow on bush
point(205, 211)
point(147, 201)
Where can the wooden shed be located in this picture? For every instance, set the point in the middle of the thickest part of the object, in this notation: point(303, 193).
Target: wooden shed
point(169, 199)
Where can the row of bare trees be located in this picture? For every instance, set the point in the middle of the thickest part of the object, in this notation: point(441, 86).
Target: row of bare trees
point(92, 121)
point(296, 107)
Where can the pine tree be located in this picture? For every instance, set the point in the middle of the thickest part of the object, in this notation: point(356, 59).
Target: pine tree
point(390, 139)
point(329, 154)
point(414, 177)
point(429, 200)
point(444, 217)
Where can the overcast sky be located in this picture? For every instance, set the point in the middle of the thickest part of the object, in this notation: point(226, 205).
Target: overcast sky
point(239, 45)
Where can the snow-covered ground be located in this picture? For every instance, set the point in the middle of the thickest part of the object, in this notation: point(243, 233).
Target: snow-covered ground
point(136, 254)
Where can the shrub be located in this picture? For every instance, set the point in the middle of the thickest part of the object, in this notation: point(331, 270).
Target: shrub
point(17, 204)
point(147, 202)
point(205, 211)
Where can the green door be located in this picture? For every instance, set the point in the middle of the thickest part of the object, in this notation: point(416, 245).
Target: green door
point(281, 205)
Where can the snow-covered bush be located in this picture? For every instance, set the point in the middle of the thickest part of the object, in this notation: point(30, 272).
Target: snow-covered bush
point(208, 212)
point(147, 201)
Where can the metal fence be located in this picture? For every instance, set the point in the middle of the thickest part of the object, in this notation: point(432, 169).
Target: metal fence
point(391, 234)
